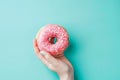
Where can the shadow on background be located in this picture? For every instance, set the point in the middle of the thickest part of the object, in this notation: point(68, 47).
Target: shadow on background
point(74, 46)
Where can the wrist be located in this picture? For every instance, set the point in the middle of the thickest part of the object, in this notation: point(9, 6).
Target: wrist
point(67, 75)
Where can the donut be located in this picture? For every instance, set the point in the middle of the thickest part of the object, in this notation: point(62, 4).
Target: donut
point(53, 39)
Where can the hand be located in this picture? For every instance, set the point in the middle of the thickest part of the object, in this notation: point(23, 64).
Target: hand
point(58, 64)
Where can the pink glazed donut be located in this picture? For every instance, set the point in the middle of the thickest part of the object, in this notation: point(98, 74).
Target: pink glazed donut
point(53, 39)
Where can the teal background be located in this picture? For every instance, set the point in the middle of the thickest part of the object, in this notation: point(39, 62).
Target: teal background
point(93, 26)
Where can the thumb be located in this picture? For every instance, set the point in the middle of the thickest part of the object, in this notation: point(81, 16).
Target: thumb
point(48, 56)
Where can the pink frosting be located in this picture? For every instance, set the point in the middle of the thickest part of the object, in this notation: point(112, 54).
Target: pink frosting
point(50, 31)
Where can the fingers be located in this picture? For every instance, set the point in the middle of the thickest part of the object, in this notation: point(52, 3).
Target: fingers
point(37, 51)
point(49, 58)
point(42, 58)
point(36, 46)
point(45, 57)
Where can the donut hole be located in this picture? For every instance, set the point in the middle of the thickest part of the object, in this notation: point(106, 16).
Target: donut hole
point(52, 40)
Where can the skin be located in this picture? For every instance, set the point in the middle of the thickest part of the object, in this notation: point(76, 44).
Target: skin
point(58, 64)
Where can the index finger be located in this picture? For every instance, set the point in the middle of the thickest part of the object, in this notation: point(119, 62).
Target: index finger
point(36, 46)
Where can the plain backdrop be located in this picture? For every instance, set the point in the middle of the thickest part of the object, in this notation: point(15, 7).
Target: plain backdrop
point(94, 31)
